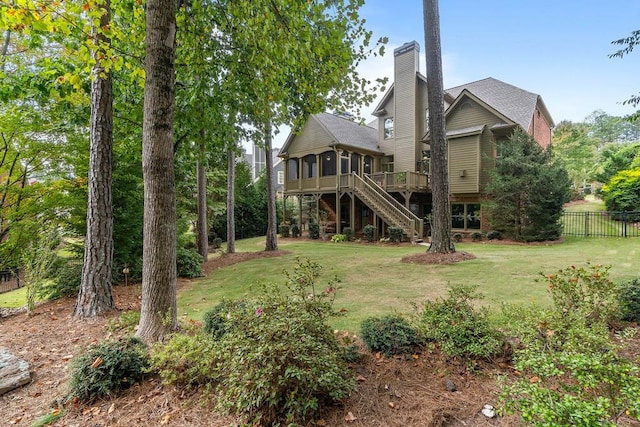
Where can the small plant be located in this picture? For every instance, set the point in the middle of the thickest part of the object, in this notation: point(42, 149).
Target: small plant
point(284, 230)
point(295, 230)
point(459, 328)
point(390, 334)
point(189, 263)
point(337, 238)
point(476, 236)
point(216, 243)
point(107, 368)
point(457, 237)
point(216, 320)
point(314, 230)
point(494, 235)
point(395, 234)
point(127, 322)
point(348, 233)
point(629, 298)
point(369, 232)
point(64, 278)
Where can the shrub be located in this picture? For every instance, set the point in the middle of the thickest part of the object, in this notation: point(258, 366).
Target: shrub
point(369, 232)
point(629, 298)
point(295, 231)
point(216, 320)
point(280, 361)
point(337, 238)
point(476, 236)
point(390, 334)
point(189, 263)
point(457, 237)
point(64, 279)
point(348, 233)
point(284, 230)
point(216, 243)
point(107, 368)
point(127, 322)
point(459, 328)
point(494, 235)
point(314, 230)
point(395, 234)
point(622, 192)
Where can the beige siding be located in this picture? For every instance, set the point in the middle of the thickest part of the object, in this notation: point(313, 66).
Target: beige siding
point(464, 159)
point(487, 156)
point(386, 145)
point(405, 111)
point(469, 113)
point(313, 139)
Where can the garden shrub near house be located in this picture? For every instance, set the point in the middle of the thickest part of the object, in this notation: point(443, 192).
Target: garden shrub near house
point(390, 334)
point(457, 237)
point(629, 299)
point(348, 233)
point(314, 230)
point(337, 238)
point(216, 321)
point(395, 234)
point(295, 230)
point(622, 192)
point(476, 236)
point(494, 235)
point(369, 232)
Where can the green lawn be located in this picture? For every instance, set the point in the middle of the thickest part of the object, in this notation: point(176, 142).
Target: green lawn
point(13, 299)
point(375, 282)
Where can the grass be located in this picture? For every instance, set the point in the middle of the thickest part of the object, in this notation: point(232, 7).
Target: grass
point(375, 282)
point(14, 299)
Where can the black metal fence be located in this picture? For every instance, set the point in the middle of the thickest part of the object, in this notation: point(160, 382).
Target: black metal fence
point(601, 224)
point(10, 280)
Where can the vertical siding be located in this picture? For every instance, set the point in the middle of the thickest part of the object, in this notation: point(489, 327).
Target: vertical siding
point(386, 145)
point(487, 157)
point(464, 155)
point(313, 138)
point(405, 110)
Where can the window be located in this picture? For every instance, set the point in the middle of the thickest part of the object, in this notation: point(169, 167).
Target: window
point(426, 120)
point(367, 164)
point(388, 128)
point(280, 177)
point(292, 169)
point(328, 163)
point(344, 163)
point(465, 216)
point(309, 166)
point(355, 162)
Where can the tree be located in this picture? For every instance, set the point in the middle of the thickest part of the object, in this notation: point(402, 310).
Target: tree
point(622, 192)
point(96, 296)
point(629, 42)
point(527, 191)
point(158, 311)
point(231, 202)
point(441, 239)
point(616, 158)
point(202, 232)
point(576, 149)
point(272, 216)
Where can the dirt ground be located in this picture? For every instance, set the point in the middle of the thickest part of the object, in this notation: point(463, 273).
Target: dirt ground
point(390, 391)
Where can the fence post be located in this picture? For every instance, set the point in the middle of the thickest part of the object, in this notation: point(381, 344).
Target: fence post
point(624, 224)
point(586, 224)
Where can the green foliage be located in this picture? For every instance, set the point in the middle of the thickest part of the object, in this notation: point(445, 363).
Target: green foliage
point(284, 230)
point(37, 261)
point(616, 158)
point(348, 233)
point(369, 232)
point(571, 372)
point(476, 236)
point(390, 334)
point(189, 263)
point(457, 237)
point(494, 235)
point(64, 278)
point(107, 368)
point(126, 323)
point(622, 192)
point(314, 230)
point(216, 320)
point(395, 234)
point(527, 191)
point(460, 329)
point(337, 238)
point(295, 230)
point(216, 243)
point(280, 361)
point(629, 299)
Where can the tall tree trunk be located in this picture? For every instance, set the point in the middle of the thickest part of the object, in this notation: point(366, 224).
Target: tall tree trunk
point(202, 235)
point(96, 296)
point(231, 202)
point(441, 239)
point(272, 215)
point(159, 277)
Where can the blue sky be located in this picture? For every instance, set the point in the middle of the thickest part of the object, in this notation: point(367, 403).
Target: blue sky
point(556, 48)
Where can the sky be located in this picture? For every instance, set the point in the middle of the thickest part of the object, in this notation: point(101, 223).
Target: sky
point(555, 48)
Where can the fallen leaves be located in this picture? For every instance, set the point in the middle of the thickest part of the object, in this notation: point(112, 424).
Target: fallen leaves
point(350, 417)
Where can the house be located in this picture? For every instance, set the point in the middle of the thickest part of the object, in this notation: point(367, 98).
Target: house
point(379, 173)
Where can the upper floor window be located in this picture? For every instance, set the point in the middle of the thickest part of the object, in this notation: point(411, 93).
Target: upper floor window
point(292, 169)
point(355, 162)
point(388, 128)
point(328, 163)
point(309, 166)
point(344, 162)
point(280, 177)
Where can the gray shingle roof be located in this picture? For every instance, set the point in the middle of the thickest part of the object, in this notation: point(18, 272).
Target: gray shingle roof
point(349, 133)
point(517, 104)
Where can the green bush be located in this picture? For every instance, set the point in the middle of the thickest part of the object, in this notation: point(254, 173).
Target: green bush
point(64, 279)
point(629, 298)
point(460, 329)
point(395, 234)
point(494, 235)
point(216, 320)
point(337, 238)
point(457, 237)
point(284, 230)
point(280, 361)
point(314, 230)
point(390, 334)
point(295, 231)
point(348, 233)
point(127, 322)
point(107, 368)
point(189, 263)
point(571, 372)
point(216, 243)
point(622, 192)
point(476, 236)
point(369, 232)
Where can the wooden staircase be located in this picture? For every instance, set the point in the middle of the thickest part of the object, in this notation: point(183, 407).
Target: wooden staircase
point(386, 207)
